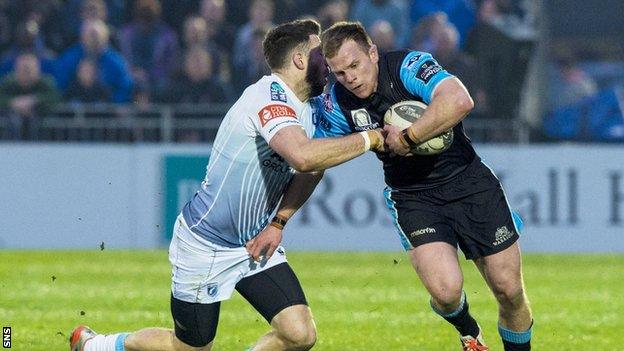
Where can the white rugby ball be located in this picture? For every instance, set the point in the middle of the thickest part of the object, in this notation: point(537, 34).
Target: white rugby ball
point(404, 113)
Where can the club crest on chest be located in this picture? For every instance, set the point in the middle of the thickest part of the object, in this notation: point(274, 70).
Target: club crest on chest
point(362, 120)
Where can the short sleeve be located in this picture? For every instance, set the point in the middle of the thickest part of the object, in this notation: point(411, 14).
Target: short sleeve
point(329, 119)
point(421, 73)
point(272, 117)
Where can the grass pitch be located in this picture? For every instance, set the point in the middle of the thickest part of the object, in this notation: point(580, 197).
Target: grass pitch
point(361, 301)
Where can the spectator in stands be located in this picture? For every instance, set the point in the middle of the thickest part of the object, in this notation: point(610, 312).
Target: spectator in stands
point(196, 34)
point(507, 15)
point(424, 31)
point(28, 39)
point(26, 95)
point(175, 12)
point(256, 65)
point(382, 35)
point(220, 30)
point(333, 11)
point(571, 83)
point(149, 45)
point(197, 83)
point(502, 47)
point(462, 13)
point(87, 88)
point(112, 68)
point(436, 35)
point(46, 13)
point(370, 11)
point(80, 11)
point(246, 65)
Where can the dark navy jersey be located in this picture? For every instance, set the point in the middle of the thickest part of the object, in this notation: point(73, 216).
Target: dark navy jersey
point(403, 75)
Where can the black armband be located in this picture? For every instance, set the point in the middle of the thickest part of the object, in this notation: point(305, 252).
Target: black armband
point(278, 222)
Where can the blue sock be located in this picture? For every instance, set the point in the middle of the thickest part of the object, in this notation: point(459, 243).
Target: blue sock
point(514, 340)
point(119, 343)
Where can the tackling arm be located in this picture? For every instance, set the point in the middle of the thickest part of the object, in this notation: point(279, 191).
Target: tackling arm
point(298, 192)
point(308, 155)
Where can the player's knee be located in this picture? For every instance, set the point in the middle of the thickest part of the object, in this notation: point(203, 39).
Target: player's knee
point(447, 296)
point(300, 336)
point(510, 296)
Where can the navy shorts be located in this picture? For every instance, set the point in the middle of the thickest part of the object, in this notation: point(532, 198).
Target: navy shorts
point(470, 211)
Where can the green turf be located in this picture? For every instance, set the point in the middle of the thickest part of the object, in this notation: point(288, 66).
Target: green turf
point(361, 301)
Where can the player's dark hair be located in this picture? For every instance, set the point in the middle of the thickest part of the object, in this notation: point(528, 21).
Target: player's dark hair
point(280, 40)
point(334, 36)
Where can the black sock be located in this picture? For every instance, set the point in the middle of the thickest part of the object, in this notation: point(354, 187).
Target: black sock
point(461, 318)
point(510, 346)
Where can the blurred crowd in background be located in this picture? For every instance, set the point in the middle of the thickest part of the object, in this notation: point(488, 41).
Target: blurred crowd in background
point(207, 51)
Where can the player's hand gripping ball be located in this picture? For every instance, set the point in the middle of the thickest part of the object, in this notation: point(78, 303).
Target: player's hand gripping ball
point(404, 113)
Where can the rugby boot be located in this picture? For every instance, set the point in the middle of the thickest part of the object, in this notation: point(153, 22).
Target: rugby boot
point(79, 337)
point(470, 343)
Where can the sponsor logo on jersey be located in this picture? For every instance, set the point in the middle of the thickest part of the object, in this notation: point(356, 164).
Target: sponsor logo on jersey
point(269, 112)
point(412, 60)
point(427, 70)
point(279, 124)
point(276, 163)
point(362, 120)
point(327, 103)
point(502, 234)
point(277, 92)
point(422, 231)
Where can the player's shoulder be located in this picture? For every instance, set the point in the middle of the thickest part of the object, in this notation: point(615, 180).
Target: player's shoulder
point(268, 94)
point(395, 55)
point(328, 102)
point(270, 89)
point(412, 58)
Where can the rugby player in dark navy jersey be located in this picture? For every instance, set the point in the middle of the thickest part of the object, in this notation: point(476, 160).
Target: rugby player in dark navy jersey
point(439, 202)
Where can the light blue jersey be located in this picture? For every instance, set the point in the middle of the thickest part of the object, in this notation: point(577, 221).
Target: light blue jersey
point(419, 74)
point(245, 179)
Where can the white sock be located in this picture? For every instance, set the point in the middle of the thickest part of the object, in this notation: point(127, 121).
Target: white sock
point(109, 342)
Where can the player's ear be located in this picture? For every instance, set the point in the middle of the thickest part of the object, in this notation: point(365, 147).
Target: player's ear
point(373, 53)
point(299, 60)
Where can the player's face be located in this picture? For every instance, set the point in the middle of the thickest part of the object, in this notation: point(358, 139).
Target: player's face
point(316, 75)
point(356, 68)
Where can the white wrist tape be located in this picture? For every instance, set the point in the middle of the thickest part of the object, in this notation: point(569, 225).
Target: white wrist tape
point(367, 143)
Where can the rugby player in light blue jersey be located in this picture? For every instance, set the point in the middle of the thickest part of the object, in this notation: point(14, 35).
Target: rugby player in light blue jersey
point(225, 239)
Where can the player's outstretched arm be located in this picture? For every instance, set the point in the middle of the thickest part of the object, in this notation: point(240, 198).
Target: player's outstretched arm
point(309, 155)
point(298, 192)
point(450, 103)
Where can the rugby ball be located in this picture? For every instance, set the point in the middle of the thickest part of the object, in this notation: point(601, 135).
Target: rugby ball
point(404, 113)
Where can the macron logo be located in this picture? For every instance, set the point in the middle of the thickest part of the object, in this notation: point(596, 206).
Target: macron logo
point(422, 231)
